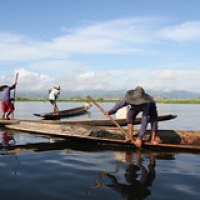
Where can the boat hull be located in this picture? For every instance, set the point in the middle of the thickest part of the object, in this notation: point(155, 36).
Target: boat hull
point(65, 113)
point(106, 122)
point(178, 139)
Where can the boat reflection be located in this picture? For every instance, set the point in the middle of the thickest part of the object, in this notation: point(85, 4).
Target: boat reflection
point(13, 145)
point(11, 141)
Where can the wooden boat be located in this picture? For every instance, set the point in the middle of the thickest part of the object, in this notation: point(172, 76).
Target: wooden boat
point(5, 122)
point(102, 122)
point(65, 113)
point(92, 122)
point(170, 139)
point(108, 122)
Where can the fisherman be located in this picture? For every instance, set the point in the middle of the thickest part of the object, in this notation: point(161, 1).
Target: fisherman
point(138, 101)
point(53, 95)
point(7, 105)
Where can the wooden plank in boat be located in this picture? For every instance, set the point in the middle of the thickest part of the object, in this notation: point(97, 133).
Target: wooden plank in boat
point(172, 146)
point(11, 121)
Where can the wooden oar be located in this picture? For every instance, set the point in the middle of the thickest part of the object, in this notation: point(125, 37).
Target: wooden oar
point(103, 111)
point(14, 93)
point(16, 81)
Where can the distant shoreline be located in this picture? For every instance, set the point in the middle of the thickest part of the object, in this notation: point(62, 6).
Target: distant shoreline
point(77, 99)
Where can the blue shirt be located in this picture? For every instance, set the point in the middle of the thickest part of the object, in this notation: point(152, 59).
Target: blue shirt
point(147, 108)
point(6, 94)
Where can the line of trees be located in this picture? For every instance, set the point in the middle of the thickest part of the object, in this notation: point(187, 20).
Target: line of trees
point(102, 99)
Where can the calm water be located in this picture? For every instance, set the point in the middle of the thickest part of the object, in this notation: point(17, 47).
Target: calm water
point(38, 167)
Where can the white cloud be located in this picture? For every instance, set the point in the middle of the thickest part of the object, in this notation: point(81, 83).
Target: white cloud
point(68, 60)
point(167, 75)
point(55, 67)
point(188, 31)
point(120, 36)
point(109, 80)
point(116, 36)
point(20, 48)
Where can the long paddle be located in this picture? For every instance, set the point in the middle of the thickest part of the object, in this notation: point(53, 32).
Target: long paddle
point(102, 110)
point(16, 81)
point(14, 92)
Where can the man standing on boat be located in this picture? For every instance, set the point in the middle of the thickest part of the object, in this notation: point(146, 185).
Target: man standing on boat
point(53, 95)
point(6, 102)
point(138, 101)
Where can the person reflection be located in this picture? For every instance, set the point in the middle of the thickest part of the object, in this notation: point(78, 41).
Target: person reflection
point(138, 178)
point(7, 139)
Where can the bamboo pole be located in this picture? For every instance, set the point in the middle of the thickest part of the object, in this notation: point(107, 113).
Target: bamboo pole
point(14, 93)
point(103, 111)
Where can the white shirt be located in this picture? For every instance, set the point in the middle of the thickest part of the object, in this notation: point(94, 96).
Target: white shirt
point(54, 94)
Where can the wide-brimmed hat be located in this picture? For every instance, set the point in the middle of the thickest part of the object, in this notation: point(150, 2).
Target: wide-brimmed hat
point(57, 87)
point(2, 87)
point(138, 96)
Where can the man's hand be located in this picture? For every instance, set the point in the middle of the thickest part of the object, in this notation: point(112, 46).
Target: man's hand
point(106, 112)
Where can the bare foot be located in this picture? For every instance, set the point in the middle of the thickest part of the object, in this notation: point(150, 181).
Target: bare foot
point(154, 142)
point(137, 143)
point(55, 113)
point(127, 139)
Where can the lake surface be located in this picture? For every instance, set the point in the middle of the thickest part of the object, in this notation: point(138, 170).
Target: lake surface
point(38, 167)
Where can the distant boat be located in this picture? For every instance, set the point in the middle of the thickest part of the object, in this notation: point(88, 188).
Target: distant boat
point(65, 113)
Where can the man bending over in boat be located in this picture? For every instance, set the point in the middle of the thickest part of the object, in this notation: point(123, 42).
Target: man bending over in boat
point(53, 95)
point(139, 101)
point(6, 102)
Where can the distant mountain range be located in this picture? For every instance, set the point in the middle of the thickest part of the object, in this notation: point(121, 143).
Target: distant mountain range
point(175, 94)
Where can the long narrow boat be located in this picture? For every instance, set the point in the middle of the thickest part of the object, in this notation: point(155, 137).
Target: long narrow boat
point(102, 122)
point(170, 139)
point(91, 122)
point(108, 122)
point(65, 113)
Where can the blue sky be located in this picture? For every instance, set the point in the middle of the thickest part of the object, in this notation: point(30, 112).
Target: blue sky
point(107, 44)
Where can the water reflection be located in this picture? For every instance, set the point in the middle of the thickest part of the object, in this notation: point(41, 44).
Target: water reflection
point(138, 178)
point(7, 139)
